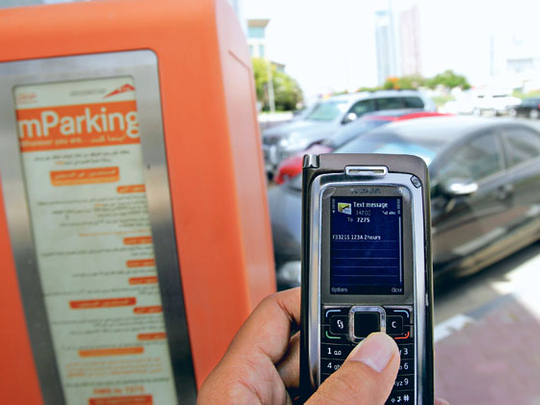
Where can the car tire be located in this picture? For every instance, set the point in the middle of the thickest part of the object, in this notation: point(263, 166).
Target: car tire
point(533, 114)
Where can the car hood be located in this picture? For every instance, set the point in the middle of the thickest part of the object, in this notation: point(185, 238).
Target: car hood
point(301, 129)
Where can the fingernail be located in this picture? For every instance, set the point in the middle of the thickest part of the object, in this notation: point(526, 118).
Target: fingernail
point(375, 351)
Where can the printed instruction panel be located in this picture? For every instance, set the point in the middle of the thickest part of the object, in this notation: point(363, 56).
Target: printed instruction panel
point(83, 171)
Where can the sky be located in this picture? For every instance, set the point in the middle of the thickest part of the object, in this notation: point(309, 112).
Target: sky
point(329, 45)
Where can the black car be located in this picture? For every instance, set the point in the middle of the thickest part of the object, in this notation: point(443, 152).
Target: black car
point(485, 190)
point(529, 107)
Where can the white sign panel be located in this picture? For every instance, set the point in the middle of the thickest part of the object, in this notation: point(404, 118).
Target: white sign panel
point(83, 171)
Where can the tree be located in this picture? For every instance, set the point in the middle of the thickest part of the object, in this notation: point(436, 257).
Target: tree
point(287, 92)
point(411, 82)
point(449, 80)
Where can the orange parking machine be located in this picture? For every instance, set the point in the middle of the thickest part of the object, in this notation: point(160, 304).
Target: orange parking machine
point(134, 230)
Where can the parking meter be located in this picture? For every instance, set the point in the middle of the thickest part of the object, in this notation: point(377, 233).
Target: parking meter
point(133, 217)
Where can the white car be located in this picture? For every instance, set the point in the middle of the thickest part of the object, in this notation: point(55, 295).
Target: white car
point(494, 104)
point(328, 116)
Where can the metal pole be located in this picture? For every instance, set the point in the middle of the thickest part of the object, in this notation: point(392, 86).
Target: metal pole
point(271, 100)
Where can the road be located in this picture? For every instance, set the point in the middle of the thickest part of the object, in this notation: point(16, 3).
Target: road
point(487, 334)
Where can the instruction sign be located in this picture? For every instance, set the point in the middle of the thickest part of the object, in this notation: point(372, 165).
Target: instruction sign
point(83, 171)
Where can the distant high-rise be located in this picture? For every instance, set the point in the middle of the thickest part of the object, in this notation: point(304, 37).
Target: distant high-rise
point(385, 40)
point(397, 55)
point(409, 35)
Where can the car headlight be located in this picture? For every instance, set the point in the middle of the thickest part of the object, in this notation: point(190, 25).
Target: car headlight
point(290, 274)
point(284, 142)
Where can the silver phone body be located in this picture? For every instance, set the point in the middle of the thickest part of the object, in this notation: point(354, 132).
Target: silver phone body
point(362, 182)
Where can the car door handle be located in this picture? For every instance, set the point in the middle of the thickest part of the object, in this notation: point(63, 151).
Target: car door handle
point(504, 191)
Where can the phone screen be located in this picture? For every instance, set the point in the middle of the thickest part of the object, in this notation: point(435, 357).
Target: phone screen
point(366, 254)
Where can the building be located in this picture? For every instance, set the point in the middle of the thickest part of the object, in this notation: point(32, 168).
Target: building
point(256, 37)
point(398, 43)
point(386, 46)
point(409, 36)
point(514, 61)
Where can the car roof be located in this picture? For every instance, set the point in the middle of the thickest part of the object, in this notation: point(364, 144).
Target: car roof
point(374, 94)
point(391, 113)
point(443, 130)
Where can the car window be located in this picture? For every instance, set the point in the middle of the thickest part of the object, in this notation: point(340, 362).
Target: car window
point(413, 102)
point(522, 145)
point(363, 107)
point(327, 111)
point(530, 102)
point(390, 103)
point(352, 131)
point(475, 160)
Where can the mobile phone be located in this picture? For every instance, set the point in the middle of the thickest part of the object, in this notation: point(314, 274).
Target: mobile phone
point(367, 266)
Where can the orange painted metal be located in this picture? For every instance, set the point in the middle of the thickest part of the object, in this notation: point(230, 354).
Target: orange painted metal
point(213, 150)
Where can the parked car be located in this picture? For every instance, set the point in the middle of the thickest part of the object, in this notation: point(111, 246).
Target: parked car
point(292, 166)
point(494, 104)
point(529, 107)
point(464, 104)
point(485, 204)
point(328, 116)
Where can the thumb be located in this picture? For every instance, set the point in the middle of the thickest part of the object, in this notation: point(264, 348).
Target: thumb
point(366, 377)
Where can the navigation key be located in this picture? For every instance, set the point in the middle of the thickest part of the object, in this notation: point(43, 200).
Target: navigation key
point(339, 324)
point(328, 337)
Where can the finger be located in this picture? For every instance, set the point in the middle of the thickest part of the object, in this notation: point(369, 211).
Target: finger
point(440, 401)
point(247, 373)
point(366, 377)
point(288, 366)
point(267, 331)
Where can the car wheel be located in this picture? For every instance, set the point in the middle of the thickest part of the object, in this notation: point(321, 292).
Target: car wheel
point(533, 114)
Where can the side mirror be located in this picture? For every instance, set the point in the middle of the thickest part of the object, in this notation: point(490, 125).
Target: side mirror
point(350, 117)
point(459, 187)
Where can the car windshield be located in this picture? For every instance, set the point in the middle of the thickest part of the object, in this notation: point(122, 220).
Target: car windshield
point(327, 111)
point(393, 144)
point(385, 143)
point(352, 131)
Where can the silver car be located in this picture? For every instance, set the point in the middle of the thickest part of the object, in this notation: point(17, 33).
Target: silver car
point(328, 116)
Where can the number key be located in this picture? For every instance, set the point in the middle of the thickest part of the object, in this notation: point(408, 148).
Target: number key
point(406, 351)
point(404, 382)
point(329, 366)
point(335, 351)
point(401, 397)
point(406, 367)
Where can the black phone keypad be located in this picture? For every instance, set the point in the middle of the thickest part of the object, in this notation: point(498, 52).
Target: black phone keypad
point(337, 336)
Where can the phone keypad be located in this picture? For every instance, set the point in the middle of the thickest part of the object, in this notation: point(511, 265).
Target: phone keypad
point(336, 343)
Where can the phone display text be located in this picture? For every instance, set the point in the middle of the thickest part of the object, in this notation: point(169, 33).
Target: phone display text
point(366, 245)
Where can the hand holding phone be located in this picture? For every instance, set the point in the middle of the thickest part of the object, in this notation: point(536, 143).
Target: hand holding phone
point(367, 266)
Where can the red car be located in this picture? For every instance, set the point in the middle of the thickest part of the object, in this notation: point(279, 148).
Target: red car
point(292, 166)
